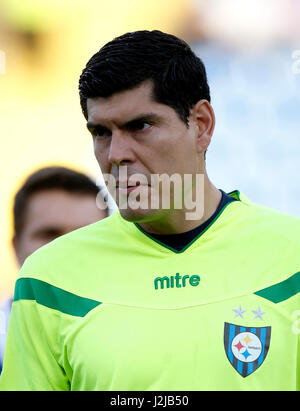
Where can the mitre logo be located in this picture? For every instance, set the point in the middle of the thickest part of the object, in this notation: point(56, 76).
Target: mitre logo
point(176, 281)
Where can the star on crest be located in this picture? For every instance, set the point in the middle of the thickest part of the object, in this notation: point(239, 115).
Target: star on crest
point(246, 354)
point(239, 346)
point(239, 312)
point(247, 339)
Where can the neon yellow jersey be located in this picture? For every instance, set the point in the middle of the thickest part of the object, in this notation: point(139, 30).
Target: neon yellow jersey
point(106, 307)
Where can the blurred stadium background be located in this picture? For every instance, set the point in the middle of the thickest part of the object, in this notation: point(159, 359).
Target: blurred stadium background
point(251, 49)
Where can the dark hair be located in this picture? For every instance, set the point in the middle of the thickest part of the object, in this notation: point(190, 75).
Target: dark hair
point(178, 75)
point(49, 178)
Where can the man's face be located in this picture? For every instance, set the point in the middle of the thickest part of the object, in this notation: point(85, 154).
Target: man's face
point(131, 129)
point(52, 213)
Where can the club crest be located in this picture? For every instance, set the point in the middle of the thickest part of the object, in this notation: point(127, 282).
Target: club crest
point(246, 347)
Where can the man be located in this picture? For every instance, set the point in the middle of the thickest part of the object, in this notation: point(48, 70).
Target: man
point(53, 201)
point(195, 296)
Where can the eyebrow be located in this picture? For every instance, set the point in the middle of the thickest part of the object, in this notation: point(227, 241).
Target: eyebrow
point(150, 117)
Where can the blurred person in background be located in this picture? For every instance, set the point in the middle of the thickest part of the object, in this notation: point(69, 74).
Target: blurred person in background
point(52, 202)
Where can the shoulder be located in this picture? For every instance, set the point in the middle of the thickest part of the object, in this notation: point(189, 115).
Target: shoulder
point(75, 243)
point(75, 261)
point(264, 236)
point(267, 221)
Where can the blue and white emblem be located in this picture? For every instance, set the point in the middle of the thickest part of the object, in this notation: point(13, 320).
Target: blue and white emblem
point(246, 347)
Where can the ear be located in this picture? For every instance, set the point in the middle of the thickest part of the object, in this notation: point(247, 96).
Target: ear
point(204, 118)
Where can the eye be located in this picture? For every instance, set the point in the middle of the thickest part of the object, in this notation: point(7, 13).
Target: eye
point(139, 126)
point(99, 132)
point(145, 126)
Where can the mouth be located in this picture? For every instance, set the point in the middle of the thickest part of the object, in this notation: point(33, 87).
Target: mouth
point(129, 188)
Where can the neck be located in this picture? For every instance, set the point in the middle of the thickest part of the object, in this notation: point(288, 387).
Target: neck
point(176, 222)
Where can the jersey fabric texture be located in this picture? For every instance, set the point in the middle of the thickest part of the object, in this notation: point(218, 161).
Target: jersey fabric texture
point(106, 307)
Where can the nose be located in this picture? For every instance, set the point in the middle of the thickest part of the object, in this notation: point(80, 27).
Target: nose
point(120, 150)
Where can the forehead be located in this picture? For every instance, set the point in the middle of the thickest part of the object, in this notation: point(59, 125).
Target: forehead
point(60, 209)
point(125, 105)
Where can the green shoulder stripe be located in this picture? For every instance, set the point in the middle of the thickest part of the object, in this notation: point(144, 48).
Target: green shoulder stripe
point(53, 297)
point(282, 291)
point(235, 194)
